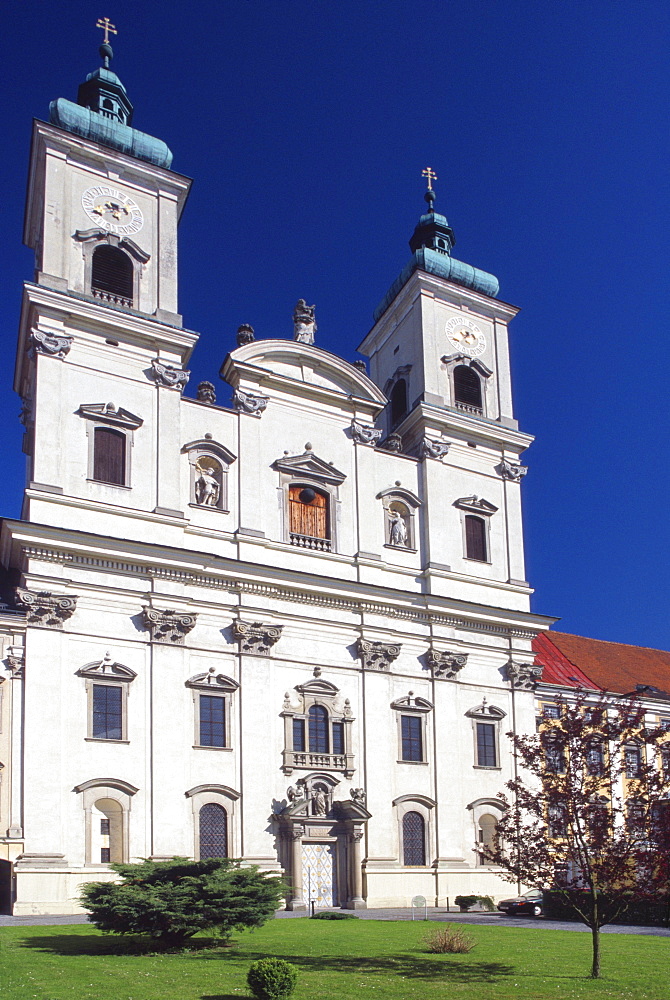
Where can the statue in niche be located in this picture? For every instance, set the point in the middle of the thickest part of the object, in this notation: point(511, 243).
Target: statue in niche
point(207, 485)
point(397, 529)
point(319, 803)
point(304, 322)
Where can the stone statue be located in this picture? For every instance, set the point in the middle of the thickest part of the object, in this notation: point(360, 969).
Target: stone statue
point(304, 322)
point(318, 802)
point(245, 335)
point(358, 796)
point(206, 489)
point(206, 393)
point(296, 793)
point(397, 528)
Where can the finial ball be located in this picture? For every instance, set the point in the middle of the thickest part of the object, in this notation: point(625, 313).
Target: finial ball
point(429, 196)
point(106, 51)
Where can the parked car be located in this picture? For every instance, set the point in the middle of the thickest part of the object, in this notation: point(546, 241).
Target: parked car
point(530, 903)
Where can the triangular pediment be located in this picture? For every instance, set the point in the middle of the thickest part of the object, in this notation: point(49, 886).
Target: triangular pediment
point(476, 505)
point(107, 413)
point(310, 466)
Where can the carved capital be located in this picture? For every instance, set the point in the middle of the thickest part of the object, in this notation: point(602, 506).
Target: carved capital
point(377, 655)
point(246, 402)
point(445, 664)
point(256, 638)
point(356, 836)
point(168, 376)
point(169, 627)
point(55, 344)
point(433, 449)
point(512, 470)
point(45, 609)
point(524, 676)
point(365, 433)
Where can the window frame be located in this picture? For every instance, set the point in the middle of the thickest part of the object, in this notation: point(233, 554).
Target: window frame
point(93, 239)
point(106, 673)
point(318, 693)
point(489, 715)
point(423, 805)
point(218, 686)
point(222, 795)
point(93, 791)
point(106, 416)
point(484, 510)
point(415, 708)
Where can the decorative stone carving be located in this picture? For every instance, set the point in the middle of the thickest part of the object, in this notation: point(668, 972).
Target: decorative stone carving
point(377, 655)
point(16, 662)
point(56, 345)
point(358, 796)
point(170, 627)
point(319, 801)
point(413, 702)
point(168, 376)
point(45, 609)
point(476, 505)
point(524, 676)
point(433, 449)
point(511, 470)
point(256, 638)
point(107, 668)
point(245, 335)
point(445, 664)
point(296, 793)
point(361, 365)
point(365, 433)
point(207, 484)
point(397, 529)
point(304, 322)
point(246, 402)
point(391, 443)
point(348, 714)
point(206, 393)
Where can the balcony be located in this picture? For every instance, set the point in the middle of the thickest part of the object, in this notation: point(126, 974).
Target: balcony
point(308, 761)
point(308, 542)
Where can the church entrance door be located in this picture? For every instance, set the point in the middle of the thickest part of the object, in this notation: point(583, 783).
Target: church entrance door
point(319, 877)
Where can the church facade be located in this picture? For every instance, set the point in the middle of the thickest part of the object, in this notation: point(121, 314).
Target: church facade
point(292, 627)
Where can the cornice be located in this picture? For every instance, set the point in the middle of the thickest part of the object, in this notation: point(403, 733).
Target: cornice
point(445, 418)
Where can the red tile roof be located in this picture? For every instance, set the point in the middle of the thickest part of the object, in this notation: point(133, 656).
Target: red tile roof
point(575, 661)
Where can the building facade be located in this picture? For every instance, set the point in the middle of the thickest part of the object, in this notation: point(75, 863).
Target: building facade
point(291, 628)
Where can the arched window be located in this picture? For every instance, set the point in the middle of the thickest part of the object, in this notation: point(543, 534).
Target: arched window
point(112, 275)
point(318, 729)
point(413, 839)
point(109, 456)
point(213, 831)
point(106, 832)
point(475, 538)
point(467, 388)
point(488, 826)
point(399, 402)
point(309, 520)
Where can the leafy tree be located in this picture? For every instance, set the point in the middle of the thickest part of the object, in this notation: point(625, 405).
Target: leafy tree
point(172, 900)
point(590, 812)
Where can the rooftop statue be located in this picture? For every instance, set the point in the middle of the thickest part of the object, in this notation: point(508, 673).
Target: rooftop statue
point(304, 323)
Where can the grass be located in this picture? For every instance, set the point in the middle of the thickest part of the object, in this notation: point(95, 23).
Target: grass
point(350, 960)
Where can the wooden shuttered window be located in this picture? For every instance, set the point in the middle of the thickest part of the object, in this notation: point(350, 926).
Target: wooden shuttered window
point(475, 538)
point(308, 512)
point(109, 456)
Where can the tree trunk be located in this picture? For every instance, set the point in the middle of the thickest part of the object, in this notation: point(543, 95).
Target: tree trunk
point(595, 937)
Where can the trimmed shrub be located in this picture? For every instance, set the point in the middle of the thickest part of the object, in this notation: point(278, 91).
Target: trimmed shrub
point(487, 903)
point(272, 978)
point(333, 915)
point(452, 939)
point(465, 902)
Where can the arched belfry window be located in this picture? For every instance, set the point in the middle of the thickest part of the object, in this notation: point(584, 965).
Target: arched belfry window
point(467, 388)
point(399, 402)
point(112, 275)
point(213, 831)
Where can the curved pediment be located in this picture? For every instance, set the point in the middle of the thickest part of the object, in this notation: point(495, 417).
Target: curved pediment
point(303, 363)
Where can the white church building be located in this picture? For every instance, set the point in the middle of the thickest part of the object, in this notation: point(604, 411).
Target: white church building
point(290, 627)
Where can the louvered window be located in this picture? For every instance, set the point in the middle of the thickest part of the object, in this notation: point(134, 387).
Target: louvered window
point(486, 745)
point(107, 712)
point(308, 518)
point(318, 729)
point(212, 721)
point(112, 275)
point(475, 538)
point(412, 743)
point(467, 388)
point(213, 831)
point(413, 839)
point(398, 401)
point(109, 456)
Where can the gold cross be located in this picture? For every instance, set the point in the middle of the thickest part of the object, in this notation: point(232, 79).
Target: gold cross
point(430, 176)
point(107, 26)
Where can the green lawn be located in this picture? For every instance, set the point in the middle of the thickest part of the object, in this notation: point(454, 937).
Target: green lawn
point(365, 960)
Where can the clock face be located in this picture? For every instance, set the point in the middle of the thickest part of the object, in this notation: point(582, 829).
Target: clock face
point(112, 210)
point(465, 336)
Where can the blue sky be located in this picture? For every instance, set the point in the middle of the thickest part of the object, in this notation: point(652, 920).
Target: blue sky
point(306, 125)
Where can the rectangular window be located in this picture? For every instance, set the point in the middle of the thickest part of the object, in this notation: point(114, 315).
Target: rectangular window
point(107, 712)
point(212, 721)
point(104, 827)
point(551, 711)
point(338, 737)
point(475, 538)
point(412, 742)
point(105, 855)
point(633, 761)
point(299, 735)
point(486, 745)
point(109, 456)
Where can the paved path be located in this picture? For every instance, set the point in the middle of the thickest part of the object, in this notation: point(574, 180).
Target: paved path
point(439, 915)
